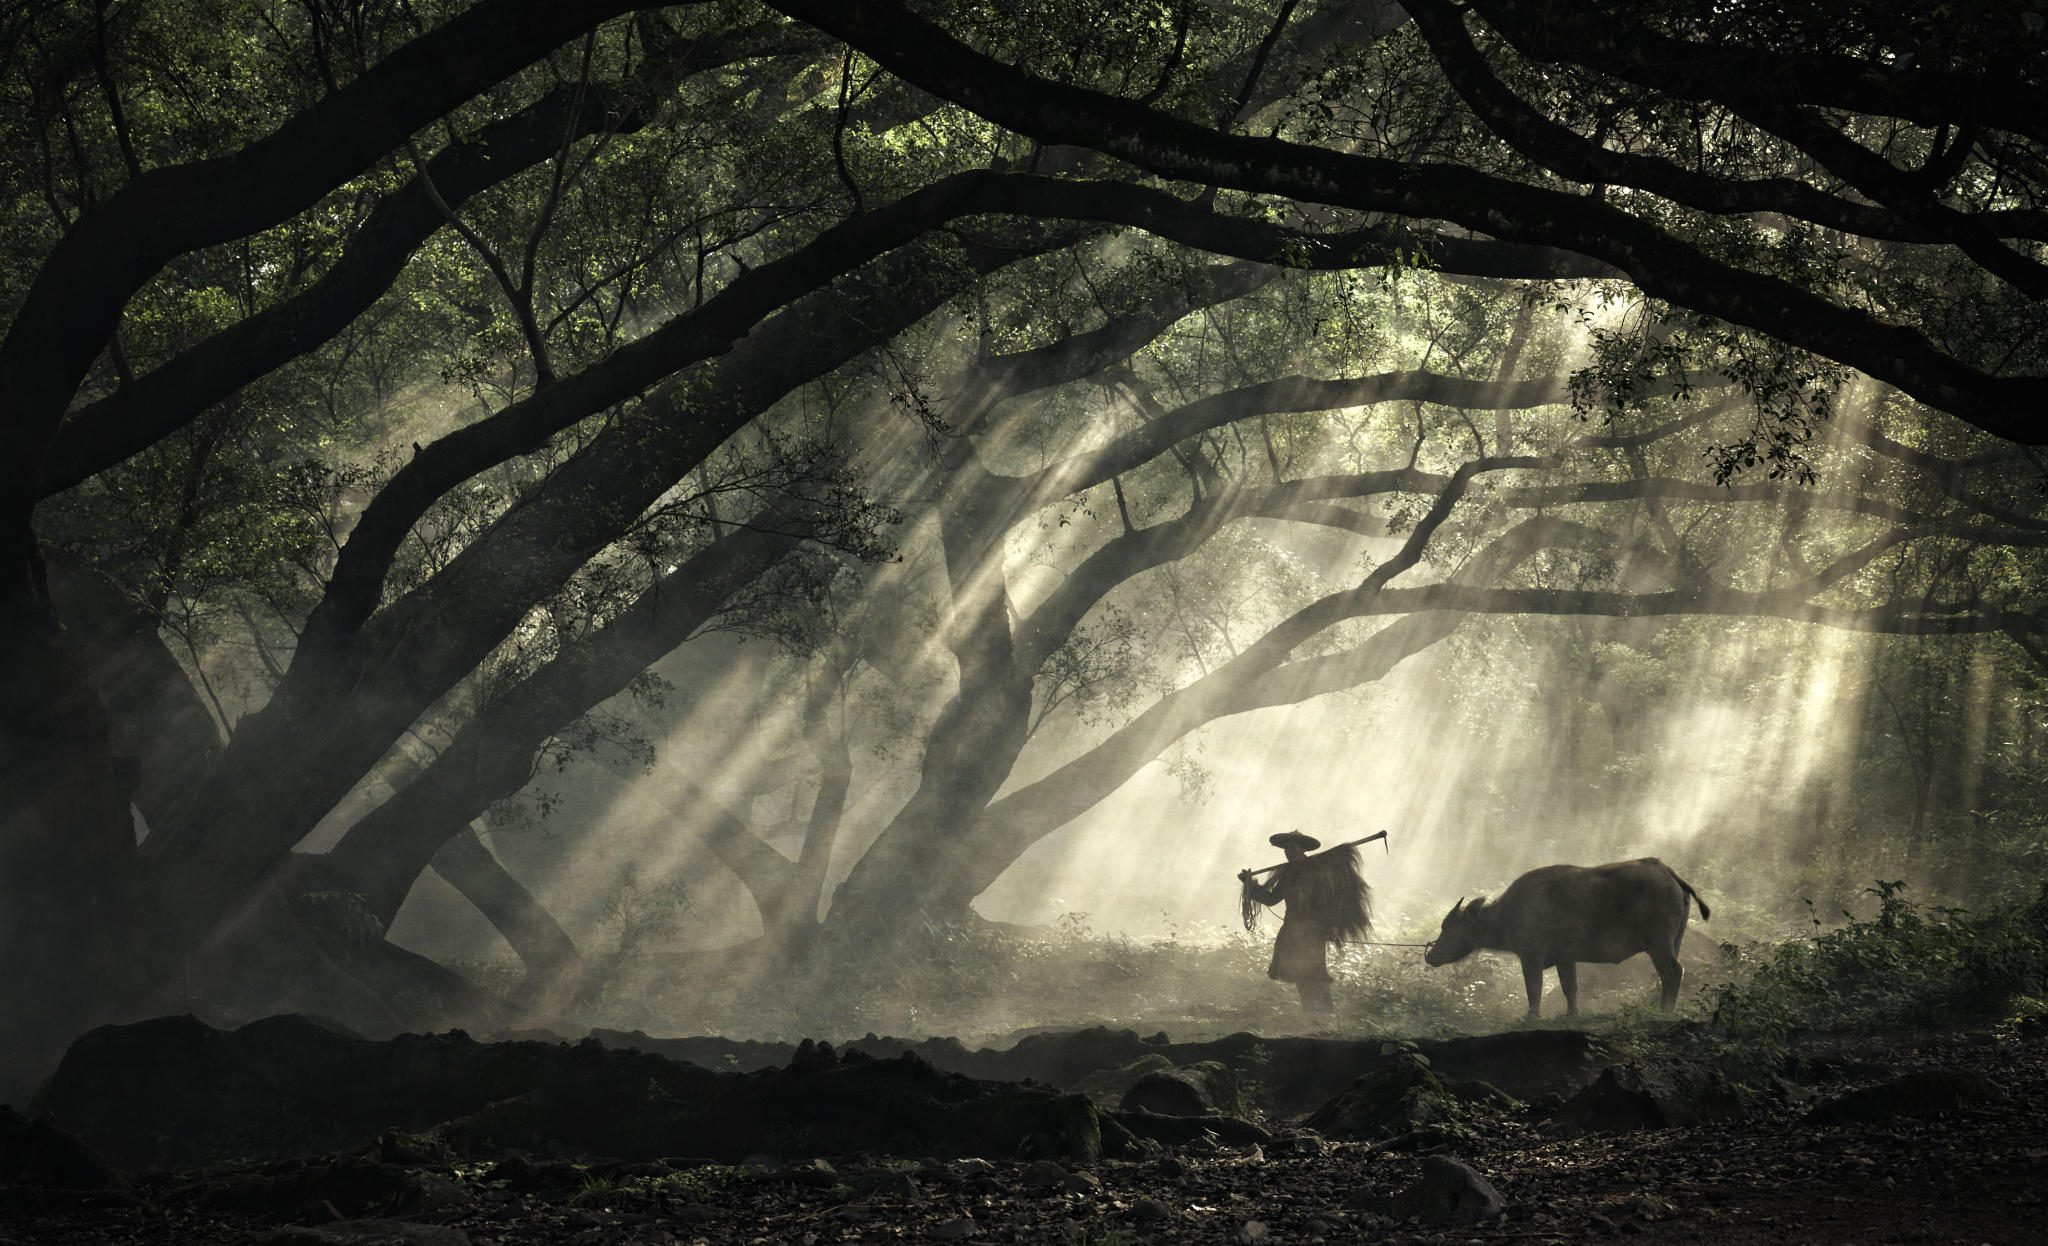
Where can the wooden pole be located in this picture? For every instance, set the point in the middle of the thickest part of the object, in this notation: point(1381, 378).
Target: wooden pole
point(1351, 843)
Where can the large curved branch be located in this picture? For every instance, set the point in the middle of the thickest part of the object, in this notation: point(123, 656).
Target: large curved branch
point(1763, 103)
point(1287, 394)
point(135, 416)
point(1661, 264)
point(1946, 474)
point(1927, 618)
point(1672, 489)
point(1574, 33)
point(715, 325)
point(491, 757)
point(765, 873)
point(70, 310)
point(340, 707)
point(1139, 550)
point(1257, 676)
point(1575, 158)
point(1001, 377)
point(1429, 613)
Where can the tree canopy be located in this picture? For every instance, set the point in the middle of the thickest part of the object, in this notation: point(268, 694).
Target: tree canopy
point(395, 386)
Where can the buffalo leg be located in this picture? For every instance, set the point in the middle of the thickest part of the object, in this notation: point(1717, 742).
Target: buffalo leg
point(1670, 971)
point(1568, 982)
point(1532, 982)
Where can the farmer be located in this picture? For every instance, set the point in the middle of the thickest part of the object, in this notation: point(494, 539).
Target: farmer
point(1327, 902)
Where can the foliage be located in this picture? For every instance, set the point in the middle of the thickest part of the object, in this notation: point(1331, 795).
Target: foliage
point(596, 1191)
point(249, 532)
point(1905, 967)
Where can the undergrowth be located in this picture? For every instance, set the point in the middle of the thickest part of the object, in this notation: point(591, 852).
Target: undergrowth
point(1907, 967)
point(988, 985)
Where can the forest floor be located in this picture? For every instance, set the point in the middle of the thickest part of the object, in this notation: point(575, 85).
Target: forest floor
point(1974, 1175)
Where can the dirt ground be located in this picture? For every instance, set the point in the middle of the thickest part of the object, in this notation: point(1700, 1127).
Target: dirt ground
point(1972, 1176)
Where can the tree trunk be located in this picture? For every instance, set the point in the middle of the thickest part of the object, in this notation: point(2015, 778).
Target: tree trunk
point(492, 756)
point(1002, 831)
point(550, 956)
point(351, 693)
point(67, 845)
point(155, 714)
point(971, 746)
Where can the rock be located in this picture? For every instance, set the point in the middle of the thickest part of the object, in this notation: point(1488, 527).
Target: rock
point(1081, 1183)
point(1200, 1089)
point(352, 1187)
point(1295, 1073)
point(176, 1092)
point(1366, 1200)
point(1638, 1096)
point(1525, 1063)
point(1150, 1209)
point(1185, 1131)
point(889, 1183)
point(1299, 1143)
point(36, 1152)
point(1423, 1139)
point(1449, 1193)
point(1485, 1094)
point(1395, 1099)
point(1790, 1091)
point(1107, 1087)
point(1915, 1094)
point(415, 1150)
point(366, 1233)
point(1626, 1207)
point(1252, 1232)
point(527, 1175)
point(1043, 1174)
point(956, 1230)
point(1835, 1069)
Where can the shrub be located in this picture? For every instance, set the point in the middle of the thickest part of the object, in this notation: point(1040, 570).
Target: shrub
point(1903, 968)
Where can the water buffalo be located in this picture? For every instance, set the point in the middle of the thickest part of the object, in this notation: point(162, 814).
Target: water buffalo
point(1562, 914)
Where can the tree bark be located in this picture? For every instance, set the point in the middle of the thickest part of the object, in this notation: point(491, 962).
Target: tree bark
point(1660, 263)
point(492, 756)
point(346, 700)
point(550, 956)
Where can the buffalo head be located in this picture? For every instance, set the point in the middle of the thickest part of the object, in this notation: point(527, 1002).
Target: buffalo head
point(1460, 936)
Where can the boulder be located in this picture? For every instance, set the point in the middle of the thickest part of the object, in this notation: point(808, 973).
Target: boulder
point(1641, 1095)
point(956, 1230)
point(1915, 1094)
point(1182, 1130)
point(1042, 1175)
point(1397, 1098)
point(1449, 1193)
point(1204, 1088)
point(37, 1153)
point(178, 1092)
point(1107, 1087)
point(351, 1187)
